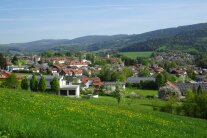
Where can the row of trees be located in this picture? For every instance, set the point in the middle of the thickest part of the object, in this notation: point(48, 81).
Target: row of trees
point(12, 82)
point(41, 85)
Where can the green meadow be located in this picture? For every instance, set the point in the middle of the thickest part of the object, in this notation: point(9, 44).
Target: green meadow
point(27, 114)
point(134, 55)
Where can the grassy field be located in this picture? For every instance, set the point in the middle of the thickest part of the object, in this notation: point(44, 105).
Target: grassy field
point(26, 114)
point(134, 55)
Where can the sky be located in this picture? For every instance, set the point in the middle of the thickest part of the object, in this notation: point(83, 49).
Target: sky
point(29, 20)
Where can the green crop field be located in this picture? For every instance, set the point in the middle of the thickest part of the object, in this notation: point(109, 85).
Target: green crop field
point(26, 114)
point(134, 55)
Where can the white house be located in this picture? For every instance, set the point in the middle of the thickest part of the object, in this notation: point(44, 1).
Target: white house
point(65, 89)
point(13, 68)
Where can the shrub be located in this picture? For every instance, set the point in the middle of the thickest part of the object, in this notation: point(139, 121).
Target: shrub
point(195, 105)
point(25, 84)
point(148, 85)
point(22, 71)
point(171, 104)
point(11, 82)
point(165, 92)
point(133, 95)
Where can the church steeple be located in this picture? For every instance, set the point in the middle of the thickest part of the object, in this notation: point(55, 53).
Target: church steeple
point(108, 56)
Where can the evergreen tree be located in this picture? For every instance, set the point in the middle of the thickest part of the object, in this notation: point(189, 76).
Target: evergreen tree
point(42, 84)
point(3, 62)
point(25, 84)
point(55, 86)
point(14, 60)
point(34, 83)
point(199, 90)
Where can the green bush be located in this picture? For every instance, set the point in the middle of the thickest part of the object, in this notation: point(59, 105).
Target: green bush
point(25, 84)
point(11, 82)
point(195, 105)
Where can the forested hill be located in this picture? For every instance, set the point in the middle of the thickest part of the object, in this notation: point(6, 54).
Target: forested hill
point(133, 42)
point(189, 41)
point(192, 37)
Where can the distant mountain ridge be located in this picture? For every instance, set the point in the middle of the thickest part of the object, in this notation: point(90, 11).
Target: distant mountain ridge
point(138, 42)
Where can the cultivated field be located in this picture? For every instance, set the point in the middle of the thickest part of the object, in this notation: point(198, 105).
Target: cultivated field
point(134, 55)
point(26, 114)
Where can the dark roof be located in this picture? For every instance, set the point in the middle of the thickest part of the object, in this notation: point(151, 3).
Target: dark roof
point(69, 78)
point(47, 77)
point(112, 83)
point(185, 86)
point(138, 79)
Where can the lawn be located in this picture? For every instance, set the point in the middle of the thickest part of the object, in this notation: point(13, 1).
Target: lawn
point(26, 114)
point(142, 92)
point(134, 55)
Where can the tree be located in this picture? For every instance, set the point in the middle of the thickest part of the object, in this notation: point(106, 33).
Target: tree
point(15, 60)
point(42, 84)
point(105, 74)
point(160, 80)
point(3, 62)
point(91, 57)
point(199, 90)
point(25, 84)
point(55, 86)
point(195, 104)
point(34, 83)
point(11, 81)
point(119, 92)
point(144, 73)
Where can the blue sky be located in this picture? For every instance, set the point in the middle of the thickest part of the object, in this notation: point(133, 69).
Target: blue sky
point(28, 20)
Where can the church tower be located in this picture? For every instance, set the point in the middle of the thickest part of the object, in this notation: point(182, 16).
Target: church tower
point(108, 56)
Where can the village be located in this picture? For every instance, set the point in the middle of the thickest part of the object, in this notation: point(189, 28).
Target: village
point(93, 75)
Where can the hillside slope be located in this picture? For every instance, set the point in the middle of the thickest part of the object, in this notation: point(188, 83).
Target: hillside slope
point(195, 40)
point(26, 114)
point(114, 42)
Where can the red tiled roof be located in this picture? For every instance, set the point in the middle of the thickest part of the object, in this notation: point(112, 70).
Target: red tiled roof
point(95, 80)
point(4, 74)
point(75, 71)
point(76, 62)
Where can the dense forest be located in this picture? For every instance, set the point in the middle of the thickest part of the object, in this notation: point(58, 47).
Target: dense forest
point(189, 41)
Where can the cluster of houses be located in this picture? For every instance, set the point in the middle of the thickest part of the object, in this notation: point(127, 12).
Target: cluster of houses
point(70, 73)
point(173, 56)
point(74, 75)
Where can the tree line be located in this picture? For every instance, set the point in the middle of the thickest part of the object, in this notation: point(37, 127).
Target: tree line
point(34, 85)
